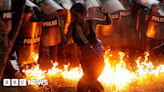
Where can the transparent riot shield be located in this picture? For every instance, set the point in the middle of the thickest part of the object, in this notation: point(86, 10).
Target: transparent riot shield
point(155, 27)
point(94, 13)
point(147, 3)
point(67, 4)
point(111, 5)
point(110, 32)
point(50, 30)
point(127, 26)
point(78, 1)
point(49, 6)
point(105, 32)
point(92, 3)
point(30, 42)
point(93, 9)
point(31, 4)
point(6, 14)
point(155, 32)
point(128, 4)
point(143, 25)
point(124, 28)
point(112, 28)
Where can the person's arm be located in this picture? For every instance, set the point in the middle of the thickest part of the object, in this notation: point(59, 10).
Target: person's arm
point(65, 38)
point(106, 21)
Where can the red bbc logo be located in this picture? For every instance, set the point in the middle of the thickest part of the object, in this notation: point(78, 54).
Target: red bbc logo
point(14, 82)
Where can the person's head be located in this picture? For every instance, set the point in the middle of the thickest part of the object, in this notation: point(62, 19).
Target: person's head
point(78, 12)
point(155, 7)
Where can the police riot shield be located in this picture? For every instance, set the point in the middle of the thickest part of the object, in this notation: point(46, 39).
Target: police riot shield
point(154, 32)
point(92, 3)
point(161, 10)
point(124, 31)
point(50, 30)
point(113, 5)
point(128, 4)
point(127, 26)
point(49, 6)
point(104, 32)
point(78, 1)
point(30, 42)
point(51, 34)
point(93, 12)
point(162, 6)
point(110, 32)
point(6, 14)
point(124, 22)
point(143, 25)
point(93, 9)
point(147, 3)
point(155, 27)
point(31, 4)
point(67, 4)
point(112, 28)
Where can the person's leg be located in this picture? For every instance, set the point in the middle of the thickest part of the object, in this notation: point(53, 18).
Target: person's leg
point(89, 81)
point(97, 87)
point(82, 86)
point(86, 84)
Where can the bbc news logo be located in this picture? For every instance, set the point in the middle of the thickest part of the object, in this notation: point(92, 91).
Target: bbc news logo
point(23, 82)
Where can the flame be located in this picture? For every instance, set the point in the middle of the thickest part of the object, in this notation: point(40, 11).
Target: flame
point(111, 75)
point(118, 75)
point(147, 67)
point(35, 73)
point(36, 57)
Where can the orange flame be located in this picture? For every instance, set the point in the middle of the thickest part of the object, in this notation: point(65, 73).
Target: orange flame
point(112, 75)
point(147, 67)
point(118, 75)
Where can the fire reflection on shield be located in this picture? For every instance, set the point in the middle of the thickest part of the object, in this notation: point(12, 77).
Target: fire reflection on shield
point(154, 32)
